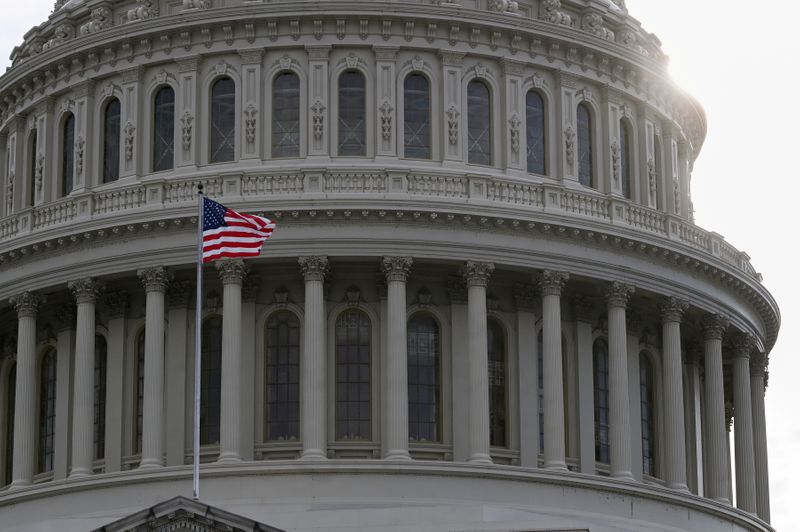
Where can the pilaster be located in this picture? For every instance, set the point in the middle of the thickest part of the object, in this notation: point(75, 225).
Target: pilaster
point(455, 124)
point(386, 116)
point(319, 121)
point(186, 113)
point(179, 294)
point(513, 120)
point(131, 136)
point(254, 116)
point(525, 296)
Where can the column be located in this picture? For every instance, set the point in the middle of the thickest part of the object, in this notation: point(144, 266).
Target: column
point(674, 429)
point(232, 274)
point(714, 418)
point(396, 368)
point(583, 345)
point(155, 284)
point(743, 425)
point(477, 276)
point(550, 285)
point(617, 295)
point(525, 298)
point(757, 388)
point(313, 378)
point(115, 307)
point(459, 347)
point(26, 305)
point(178, 296)
point(85, 293)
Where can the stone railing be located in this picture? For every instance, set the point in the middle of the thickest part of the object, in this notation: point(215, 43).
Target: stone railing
point(555, 203)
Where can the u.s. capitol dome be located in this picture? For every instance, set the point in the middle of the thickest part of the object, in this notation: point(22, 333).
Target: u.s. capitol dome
point(486, 305)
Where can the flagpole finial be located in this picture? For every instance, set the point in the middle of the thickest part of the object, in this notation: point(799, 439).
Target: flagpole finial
point(200, 188)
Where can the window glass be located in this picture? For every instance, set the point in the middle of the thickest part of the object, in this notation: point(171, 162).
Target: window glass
point(585, 163)
point(601, 419)
point(646, 392)
point(68, 155)
point(286, 115)
point(283, 377)
point(47, 412)
point(211, 381)
point(33, 155)
point(164, 130)
point(352, 114)
point(11, 398)
point(353, 394)
point(417, 117)
point(534, 123)
point(138, 381)
point(625, 165)
point(479, 120)
point(223, 120)
point(111, 138)
point(423, 379)
point(100, 367)
point(497, 384)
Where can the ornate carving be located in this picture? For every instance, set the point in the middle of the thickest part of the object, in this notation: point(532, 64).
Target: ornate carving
point(676, 193)
point(179, 293)
point(280, 296)
point(452, 124)
point(196, 4)
point(85, 290)
point(525, 296)
point(457, 289)
point(314, 268)
point(593, 23)
point(551, 283)
point(61, 34)
point(424, 297)
point(550, 11)
point(386, 119)
point(477, 273)
point(144, 9)
point(616, 160)
point(651, 177)
point(714, 326)
point(417, 63)
point(10, 197)
point(80, 146)
point(116, 303)
point(628, 38)
point(26, 304)
point(186, 130)
point(569, 144)
point(101, 19)
point(250, 123)
point(39, 172)
point(743, 345)
point(514, 124)
point(396, 268)
point(154, 279)
point(318, 118)
point(130, 132)
point(672, 309)
point(231, 271)
point(617, 294)
point(504, 6)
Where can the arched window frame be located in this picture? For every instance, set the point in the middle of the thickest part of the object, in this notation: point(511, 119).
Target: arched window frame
point(46, 418)
point(206, 139)
point(493, 128)
point(301, 114)
point(591, 180)
point(403, 111)
point(600, 391)
point(627, 150)
point(172, 139)
point(528, 141)
point(497, 441)
point(66, 160)
point(290, 433)
point(436, 433)
point(369, 112)
point(211, 377)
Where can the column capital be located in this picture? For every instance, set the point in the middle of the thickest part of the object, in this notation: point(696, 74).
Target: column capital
point(26, 304)
point(743, 344)
point(179, 294)
point(477, 273)
point(551, 283)
point(314, 268)
point(116, 303)
point(231, 271)
point(714, 326)
point(758, 365)
point(672, 309)
point(85, 290)
point(396, 268)
point(525, 296)
point(154, 279)
point(617, 293)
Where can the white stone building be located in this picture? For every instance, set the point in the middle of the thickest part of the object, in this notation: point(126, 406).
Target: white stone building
point(486, 306)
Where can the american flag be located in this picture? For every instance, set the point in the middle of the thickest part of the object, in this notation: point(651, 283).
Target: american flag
point(230, 234)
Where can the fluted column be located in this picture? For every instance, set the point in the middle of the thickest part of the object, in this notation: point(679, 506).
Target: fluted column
point(715, 434)
point(550, 285)
point(477, 276)
point(743, 425)
point(25, 416)
point(155, 284)
point(617, 295)
point(313, 383)
point(396, 444)
point(232, 274)
point(85, 292)
point(757, 388)
point(674, 429)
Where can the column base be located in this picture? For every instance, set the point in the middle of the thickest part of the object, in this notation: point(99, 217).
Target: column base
point(311, 455)
point(480, 458)
point(723, 500)
point(556, 465)
point(17, 484)
point(150, 463)
point(623, 475)
point(398, 455)
point(80, 472)
point(229, 458)
point(679, 486)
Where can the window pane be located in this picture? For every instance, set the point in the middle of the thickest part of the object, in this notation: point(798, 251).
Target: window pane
point(423, 379)
point(286, 115)
point(32, 168)
point(625, 158)
point(68, 155)
point(47, 412)
point(352, 114)
point(479, 118)
point(353, 401)
point(648, 420)
point(497, 384)
point(223, 120)
point(600, 359)
point(139, 382)
point(534, 121)
point(99, 397)
point(417, 117)
point(585, 164)
point(164, 130)
point(283, 377)
point(211, 383)
point(111, 135)
point(10, 408)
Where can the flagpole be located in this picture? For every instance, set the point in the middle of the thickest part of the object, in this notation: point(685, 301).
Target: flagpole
point(198, 324)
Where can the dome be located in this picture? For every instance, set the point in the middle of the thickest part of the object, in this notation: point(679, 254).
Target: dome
point(486, 304)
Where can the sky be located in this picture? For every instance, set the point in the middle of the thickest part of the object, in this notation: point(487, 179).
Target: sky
point(736, 58)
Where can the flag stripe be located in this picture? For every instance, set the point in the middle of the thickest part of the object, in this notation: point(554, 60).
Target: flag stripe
point(230, 234)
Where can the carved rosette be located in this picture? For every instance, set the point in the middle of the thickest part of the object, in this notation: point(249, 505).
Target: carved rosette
point(116, 304)
point(314, 268)
point(154, 279)
point(743, 345)
point(231, 271)
point(714, 326)
point(525, 296)
point(26, 304)
point(672, 309)
point(552, 283)
point(85, 290)
point(477, 273)
point(617, 294)
point(396, 268)
point(179, 293)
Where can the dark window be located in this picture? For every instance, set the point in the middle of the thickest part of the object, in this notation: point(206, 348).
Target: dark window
point(211, 383)
point(223, 120)
point(11, 398)
point(479, 123)
point(283, 377)
point(138, 381)
point(497, 384)
point(600, 366)
point(111, 136)
point(352, 113)
point(534, 123)
point(286, 115)
point(646, 392)
point(164, 130)
point(353, 394)
point(625, 157)
point(100, 367)
point(417, 116)
point(47, 412)
point(68, 155)
point(424, 404)
point(32, 159)
point(585, 163)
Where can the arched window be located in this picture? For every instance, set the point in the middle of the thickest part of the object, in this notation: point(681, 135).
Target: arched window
point(601, 420)
point(138, 382)
point(479, 123)
point(47, 412)
point(534, 130)
point(286, 115)
point(223, 120)
point(647, 398)
point(424, 369)
point(68, 154)
point(111, 136)
point(164, 129)
point(352, 114)
point(417, 116)
point(625, 157)
point(353, 394)
point(100, 367)
point(497, 384)
point(283, 377)
point(11, 397)
point(585, 141)
point(211, 381)
point(32, 169)
point(540, 374)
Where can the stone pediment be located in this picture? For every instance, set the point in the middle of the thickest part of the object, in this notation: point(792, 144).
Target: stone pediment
point(184, 515)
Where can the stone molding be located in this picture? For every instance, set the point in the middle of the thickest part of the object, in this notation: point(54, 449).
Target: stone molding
point(396, 268)
point(551, 283)
point(231, 271)
point(743, 345)
point(477, 273)
point(154, 279)
point(86, 290)
point(314, 268)
point(26, 304)
point(618, 294)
